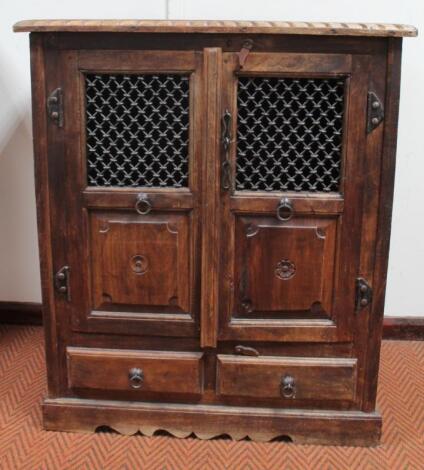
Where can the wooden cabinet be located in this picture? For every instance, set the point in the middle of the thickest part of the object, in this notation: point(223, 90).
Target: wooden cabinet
point(214, 203)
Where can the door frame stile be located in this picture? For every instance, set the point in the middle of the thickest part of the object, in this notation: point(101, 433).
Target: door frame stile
point(212, 77)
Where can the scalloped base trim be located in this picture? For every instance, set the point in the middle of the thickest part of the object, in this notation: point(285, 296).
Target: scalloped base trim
point(209, 421)
point(151, 431)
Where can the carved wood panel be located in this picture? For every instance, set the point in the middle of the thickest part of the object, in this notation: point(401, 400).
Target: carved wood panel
point(140, 263)
point(284, 269)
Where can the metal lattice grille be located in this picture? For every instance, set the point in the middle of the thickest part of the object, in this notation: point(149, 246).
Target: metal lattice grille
point(289, 134)
point(137, 130)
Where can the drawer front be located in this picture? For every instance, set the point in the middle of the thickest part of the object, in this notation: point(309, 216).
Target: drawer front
point(145, 371)
point(287, 377)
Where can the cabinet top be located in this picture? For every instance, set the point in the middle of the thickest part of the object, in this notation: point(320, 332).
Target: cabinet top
point(232, 27)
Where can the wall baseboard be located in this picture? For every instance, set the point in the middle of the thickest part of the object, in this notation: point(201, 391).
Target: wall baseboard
point(404, 328)
point(21, 313)
point(398, 328)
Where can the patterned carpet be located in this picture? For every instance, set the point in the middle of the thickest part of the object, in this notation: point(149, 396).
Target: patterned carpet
point(24, 445)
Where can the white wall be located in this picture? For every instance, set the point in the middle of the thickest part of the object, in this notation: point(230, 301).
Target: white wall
point(19, 276)
point(19, 267)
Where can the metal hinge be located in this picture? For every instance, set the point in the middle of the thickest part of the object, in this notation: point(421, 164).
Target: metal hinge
point(61, 282)
point(363, 294)
point(244, 52)
point(375, 112)
point(55, 106)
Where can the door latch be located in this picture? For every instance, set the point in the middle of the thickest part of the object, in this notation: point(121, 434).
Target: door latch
point(55, 106)
point(61, 282)
point(375, 112)
point(363, 293)
point(226, 141)
point(244, 52)
point(246, 351)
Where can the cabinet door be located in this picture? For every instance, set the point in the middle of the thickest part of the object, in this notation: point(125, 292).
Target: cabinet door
point(291, 209)
point(131, 129)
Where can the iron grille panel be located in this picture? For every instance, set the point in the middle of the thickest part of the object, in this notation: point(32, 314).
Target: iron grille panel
point(137, 130)
point(289, 134)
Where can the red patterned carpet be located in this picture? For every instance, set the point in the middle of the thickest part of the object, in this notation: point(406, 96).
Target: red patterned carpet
point(24, 445)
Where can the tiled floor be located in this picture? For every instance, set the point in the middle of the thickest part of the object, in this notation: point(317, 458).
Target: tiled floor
point(24, 445)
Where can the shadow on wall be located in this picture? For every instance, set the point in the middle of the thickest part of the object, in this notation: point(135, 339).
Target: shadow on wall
point(19, 272)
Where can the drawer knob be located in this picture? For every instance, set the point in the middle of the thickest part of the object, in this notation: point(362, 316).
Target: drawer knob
point(143, 206)
point(136, 377)
point(288, 386)
point(285, 209)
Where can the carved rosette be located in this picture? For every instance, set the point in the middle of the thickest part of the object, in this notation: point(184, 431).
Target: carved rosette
point(285, 269)
point(139, 264)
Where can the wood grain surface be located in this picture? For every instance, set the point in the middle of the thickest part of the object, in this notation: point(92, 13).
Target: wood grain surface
point(199, 26)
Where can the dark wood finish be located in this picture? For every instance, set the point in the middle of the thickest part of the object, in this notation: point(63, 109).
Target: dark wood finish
point(247, 323)
point(117, 238)
point(162, 61)
point(43, 201)
point(394, 328)
point(311, 243)
point(211, 182)
point(299, 64)
point(382, 244)
point(332, 379)
point(404, 328)
point(261, 424)
point(20, 313)
point(165, 242)
point(177, 41)
point(163, 372)
point(325, 265)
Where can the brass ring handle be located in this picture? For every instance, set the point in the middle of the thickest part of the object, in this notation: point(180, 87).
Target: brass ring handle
point(288, 387)
point(284, 210)
point(135, 377)
point(142, 205)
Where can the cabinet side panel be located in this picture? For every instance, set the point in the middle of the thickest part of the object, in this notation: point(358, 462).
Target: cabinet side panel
point(384, 219)
point(42, 189)
point(370, 173)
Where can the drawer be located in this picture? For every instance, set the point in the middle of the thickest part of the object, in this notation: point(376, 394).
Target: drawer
point(145, 371)
point(287, 377)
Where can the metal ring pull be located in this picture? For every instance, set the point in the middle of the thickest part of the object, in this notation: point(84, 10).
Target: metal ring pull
point(136, 377)
point(143, 206)
point(288, 386)
point(285, 209)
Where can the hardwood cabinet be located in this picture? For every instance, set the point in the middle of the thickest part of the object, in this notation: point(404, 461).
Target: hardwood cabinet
point(214, 204)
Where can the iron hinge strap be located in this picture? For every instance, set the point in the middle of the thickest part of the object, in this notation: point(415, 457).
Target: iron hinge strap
point(375, 111)
point(62, 282)
point(55, 107)
point(363, 294)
